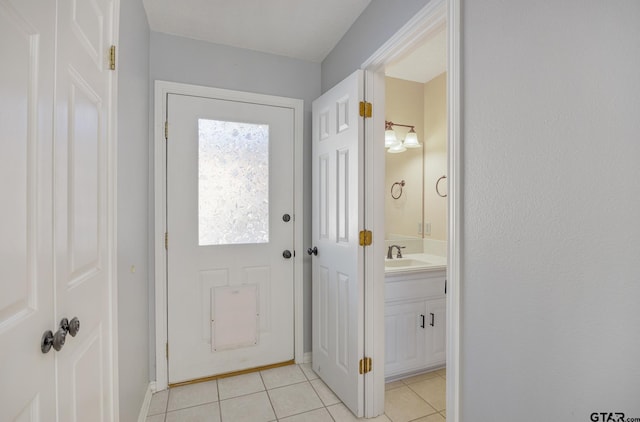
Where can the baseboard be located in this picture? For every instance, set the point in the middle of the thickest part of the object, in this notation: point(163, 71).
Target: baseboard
point(144, 409)
point(307, 357)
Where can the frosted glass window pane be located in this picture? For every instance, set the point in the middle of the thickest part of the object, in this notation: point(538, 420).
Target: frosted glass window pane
point(233, 183)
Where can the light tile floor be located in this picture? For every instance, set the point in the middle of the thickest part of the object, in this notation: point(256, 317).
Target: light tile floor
point(293, 394)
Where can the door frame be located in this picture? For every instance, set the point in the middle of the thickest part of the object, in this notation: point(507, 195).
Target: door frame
point(162, 89)
point(435, 14)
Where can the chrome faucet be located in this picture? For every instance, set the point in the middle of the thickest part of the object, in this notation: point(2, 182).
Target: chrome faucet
point(390, 251)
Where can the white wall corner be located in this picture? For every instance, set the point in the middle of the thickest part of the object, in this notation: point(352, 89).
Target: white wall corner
point(307, 358)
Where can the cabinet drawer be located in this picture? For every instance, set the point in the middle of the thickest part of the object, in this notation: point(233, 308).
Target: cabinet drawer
point(414, 285)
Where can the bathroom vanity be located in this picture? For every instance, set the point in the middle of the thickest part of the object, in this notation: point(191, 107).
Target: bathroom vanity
point(415, 314)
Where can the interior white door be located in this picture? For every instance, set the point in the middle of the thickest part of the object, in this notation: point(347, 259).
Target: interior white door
point(83, 270)
point(27, 376)
point(338, 216)
point(54, 110)
point(230, 235)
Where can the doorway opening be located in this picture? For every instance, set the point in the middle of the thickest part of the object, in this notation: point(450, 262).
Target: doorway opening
point(425, 244)
point(416, 224)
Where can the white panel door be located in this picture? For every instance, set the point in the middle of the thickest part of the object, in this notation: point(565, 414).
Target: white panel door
point(27, 376)
point(230, 248)
point(81, 201)
point(54, 114)
point(337, 208)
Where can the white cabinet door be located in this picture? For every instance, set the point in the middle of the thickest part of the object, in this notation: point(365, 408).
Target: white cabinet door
point(436, 331)
point(338, 268)
point(404, 337)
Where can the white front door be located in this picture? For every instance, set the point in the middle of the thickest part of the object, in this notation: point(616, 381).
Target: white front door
point(230, 197)
point(338, 217)
point(56, 263)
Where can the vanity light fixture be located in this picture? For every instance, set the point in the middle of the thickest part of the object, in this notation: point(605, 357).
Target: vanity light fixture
point(391, 140)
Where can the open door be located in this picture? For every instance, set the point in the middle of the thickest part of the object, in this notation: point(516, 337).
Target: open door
point(338, 218)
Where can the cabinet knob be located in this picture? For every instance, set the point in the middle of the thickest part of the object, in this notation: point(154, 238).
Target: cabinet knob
point(422, 323)
point(433, 317)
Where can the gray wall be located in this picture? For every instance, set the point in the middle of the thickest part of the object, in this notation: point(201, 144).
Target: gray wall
point(179, 59)
point(551, 199)
point(377, 23)
point(551, 236)
point(133, 185)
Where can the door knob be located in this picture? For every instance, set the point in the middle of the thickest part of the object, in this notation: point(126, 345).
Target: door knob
point(313, 251)
point(58, 339)
point(74, 326)
point(46, 342)
point(286, 254)
point(52, 340)
point(286, 218)
point(71, 327)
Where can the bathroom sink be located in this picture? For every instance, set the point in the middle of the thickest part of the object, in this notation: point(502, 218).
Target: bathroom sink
point(404, 262)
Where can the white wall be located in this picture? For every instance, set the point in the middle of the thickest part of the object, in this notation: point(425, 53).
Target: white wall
point(133, 185)
point(435, 155)
point(551, 233)
point(185, 60)
point(377, 23)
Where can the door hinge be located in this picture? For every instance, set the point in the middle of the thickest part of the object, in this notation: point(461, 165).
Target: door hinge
point(167, 349)
point(112, 57)
point(365, 109)
point(366, 237)
point(166, 240)
point(166, 130)
point(366, 365)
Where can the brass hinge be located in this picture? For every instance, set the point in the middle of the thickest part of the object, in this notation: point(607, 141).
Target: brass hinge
point(166, 130)
point(365, 109)
point(167, 344)
point(112, 57)
point(365, 365)
point(166, 240)
point(366, 237)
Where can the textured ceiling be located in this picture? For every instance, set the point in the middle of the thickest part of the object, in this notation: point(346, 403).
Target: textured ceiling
point(302, 29)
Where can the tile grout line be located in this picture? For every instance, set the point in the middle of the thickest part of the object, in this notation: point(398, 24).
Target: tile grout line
point(421, 398)
point(268, 397)
point(219, 401)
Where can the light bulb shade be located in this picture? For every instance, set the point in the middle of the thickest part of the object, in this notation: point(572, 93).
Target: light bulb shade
point(411, 140)
point(397, 148)
point(389, 138)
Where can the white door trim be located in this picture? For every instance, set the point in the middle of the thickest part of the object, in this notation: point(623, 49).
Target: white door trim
point(431, 18)
point(162, 88)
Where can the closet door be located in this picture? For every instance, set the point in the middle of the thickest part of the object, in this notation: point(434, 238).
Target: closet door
point(83, 207)
point(57, 250)
point(27, 376)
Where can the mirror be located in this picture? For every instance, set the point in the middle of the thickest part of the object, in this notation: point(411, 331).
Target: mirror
point(416, 95)
point(404, 204)
point(419, 212)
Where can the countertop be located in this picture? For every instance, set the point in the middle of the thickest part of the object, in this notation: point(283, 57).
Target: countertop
point(415, 262)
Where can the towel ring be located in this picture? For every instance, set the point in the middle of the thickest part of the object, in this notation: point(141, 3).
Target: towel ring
point(400, 185)
point(438, 189)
